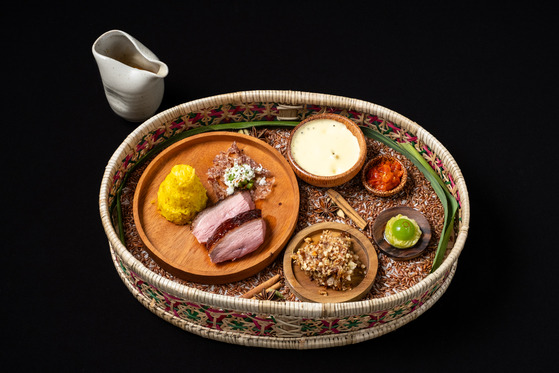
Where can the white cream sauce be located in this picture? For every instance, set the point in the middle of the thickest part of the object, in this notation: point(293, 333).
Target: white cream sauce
point(324, 147)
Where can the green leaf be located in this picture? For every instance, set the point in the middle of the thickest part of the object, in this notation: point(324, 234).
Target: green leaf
point(452, 208)
point(450, 205)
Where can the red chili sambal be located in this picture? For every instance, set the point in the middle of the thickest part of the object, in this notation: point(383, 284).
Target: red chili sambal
point(385, 175)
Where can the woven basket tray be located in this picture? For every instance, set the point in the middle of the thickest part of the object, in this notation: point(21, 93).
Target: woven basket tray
point(294, 325)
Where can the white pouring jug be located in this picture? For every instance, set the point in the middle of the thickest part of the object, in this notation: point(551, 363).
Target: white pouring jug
point(132, 75)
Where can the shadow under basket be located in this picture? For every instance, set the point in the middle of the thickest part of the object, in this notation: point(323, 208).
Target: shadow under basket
point(265, 323)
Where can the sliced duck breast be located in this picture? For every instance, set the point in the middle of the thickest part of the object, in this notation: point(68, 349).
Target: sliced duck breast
point(237, 237)
point(206, 222)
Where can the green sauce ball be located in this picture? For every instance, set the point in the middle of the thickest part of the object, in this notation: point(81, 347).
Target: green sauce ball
point(403, 229)
point(402, 232)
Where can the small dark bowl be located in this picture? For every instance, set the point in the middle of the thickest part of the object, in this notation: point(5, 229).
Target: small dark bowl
point(383, 193)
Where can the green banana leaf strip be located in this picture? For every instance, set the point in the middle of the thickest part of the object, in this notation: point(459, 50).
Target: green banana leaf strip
point(406, 149)
point(450, 205)
point(453, 206)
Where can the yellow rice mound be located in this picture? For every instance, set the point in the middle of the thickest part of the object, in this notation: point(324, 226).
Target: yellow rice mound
point(181, 195)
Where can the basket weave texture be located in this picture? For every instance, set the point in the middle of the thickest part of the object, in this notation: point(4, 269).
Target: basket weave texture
point(294, 325)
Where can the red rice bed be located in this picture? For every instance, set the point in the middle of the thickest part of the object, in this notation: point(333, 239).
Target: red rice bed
point(315, 207)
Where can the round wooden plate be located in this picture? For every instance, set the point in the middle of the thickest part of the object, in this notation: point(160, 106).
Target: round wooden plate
point(401, 254)
point(308, 290)
point(174, 247)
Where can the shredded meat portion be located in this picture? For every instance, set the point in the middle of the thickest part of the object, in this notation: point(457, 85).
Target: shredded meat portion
point(263, 182)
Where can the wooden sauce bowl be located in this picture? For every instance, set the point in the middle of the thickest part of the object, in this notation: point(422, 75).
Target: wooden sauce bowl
point(383, 193)
point(335, 180)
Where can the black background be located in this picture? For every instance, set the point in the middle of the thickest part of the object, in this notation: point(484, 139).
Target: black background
point(481, 79)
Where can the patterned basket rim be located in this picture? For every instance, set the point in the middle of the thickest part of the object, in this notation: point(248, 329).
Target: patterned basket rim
point(306, 309)
point(299, 343)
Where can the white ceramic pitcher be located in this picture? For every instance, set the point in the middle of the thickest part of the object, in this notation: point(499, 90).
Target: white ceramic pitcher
point(132, 75)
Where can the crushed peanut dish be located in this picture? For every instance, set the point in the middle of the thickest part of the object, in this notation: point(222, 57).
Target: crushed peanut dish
point(330, 262)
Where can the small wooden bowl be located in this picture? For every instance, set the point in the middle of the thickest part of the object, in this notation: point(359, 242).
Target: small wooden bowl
point(383, 193)
point(306, 289)
point(335, 180)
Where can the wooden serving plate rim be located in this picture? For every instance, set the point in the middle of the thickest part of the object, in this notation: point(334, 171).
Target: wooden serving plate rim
point(310, 292)
point(231, 271)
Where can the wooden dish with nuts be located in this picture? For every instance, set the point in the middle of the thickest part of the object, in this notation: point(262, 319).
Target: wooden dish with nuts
point(307, 289)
